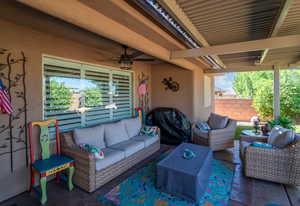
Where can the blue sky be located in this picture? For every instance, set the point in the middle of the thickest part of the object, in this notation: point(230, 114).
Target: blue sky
point(225, 82)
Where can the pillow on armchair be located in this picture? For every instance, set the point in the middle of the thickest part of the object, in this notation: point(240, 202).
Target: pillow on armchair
point(216, 121)
point(281, 137)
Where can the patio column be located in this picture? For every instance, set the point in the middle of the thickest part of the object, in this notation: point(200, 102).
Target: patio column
point(276, 100)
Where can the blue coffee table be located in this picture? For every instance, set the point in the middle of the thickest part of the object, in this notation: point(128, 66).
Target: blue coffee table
point(186, 178)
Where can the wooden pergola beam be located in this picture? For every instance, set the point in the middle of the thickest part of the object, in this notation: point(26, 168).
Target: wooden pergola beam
point(241, 68)
point(240, 47)
point(173, 6)
point(252, 68)
point(78, 13)
point(278, 23)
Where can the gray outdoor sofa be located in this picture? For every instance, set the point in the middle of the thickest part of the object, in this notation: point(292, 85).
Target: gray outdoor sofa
point(121, 144)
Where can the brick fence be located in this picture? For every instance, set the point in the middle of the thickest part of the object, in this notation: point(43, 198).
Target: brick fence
point(238, 109)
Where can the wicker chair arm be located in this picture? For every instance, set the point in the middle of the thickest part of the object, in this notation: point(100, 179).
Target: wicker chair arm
point(84, 160)
point(268, 153)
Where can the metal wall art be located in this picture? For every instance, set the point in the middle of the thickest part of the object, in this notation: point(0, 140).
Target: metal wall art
point(13, 127)
point(170, 84)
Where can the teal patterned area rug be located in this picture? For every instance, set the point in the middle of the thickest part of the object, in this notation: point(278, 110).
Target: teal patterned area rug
point(139, 189)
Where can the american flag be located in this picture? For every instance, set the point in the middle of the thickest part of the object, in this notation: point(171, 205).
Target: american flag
point(5, 104)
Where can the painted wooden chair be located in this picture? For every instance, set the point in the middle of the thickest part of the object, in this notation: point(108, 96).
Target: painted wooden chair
point(49, 164)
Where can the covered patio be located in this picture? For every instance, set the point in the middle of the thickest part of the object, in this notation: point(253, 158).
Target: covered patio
point(87, 63)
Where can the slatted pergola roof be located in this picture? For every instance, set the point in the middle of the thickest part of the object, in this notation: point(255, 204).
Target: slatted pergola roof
point(224, 22)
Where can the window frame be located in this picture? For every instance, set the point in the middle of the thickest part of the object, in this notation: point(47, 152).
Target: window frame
point(92, 67)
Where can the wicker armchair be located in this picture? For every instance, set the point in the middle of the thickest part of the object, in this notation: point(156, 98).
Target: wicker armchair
point(218, 139)
point(277, 165)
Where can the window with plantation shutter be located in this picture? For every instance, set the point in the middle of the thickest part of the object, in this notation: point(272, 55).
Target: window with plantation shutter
point(82, 95)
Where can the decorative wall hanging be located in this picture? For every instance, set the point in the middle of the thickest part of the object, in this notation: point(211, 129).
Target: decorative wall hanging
point(170, 84)
point(143, 92)
point(13, 126)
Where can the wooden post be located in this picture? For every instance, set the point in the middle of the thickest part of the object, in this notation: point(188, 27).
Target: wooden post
point(276, 100)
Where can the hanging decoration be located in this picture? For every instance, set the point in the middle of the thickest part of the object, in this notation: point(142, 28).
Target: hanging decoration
point(13, 104)
point(5, 104)
point(143, 93)
point(170, 84)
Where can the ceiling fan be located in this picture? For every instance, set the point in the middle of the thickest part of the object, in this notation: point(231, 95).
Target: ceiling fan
point(126, 60)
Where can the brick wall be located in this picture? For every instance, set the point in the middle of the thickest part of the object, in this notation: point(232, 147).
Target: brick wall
point(238, 109)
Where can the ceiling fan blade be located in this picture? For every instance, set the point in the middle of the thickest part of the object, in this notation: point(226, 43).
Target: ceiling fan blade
point(144, 60)
point(136, 54)
point(109, 60)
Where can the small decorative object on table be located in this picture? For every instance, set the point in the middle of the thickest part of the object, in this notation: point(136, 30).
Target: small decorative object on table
point(265, 130)
point(188, 154)
point(256, 122)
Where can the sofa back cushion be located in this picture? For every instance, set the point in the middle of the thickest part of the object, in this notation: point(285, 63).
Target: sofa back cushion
point(216, 121)
point(115, 133)
point(91, 135)
point(281, 137)
point(133, 126)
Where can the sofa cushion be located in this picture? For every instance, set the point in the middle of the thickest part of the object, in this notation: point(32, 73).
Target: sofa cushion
point(281, 137)
point(148, 140)
point(133, 126)
point(148, 131)
point(129, 146)
point(111, 156)
point(92, 136)
point(115, 133)
point(216, 121)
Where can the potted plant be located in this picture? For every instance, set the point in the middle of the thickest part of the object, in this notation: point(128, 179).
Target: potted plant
point(282, 121)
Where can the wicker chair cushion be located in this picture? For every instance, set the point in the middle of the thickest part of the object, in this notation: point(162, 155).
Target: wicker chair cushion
point(129, 147)
point(92, 136)
point(133, 126)
point(263, 145)
point(216, 121)
point(111, 156)
point(148, 140)
point(115, 133)
point(201, 133)
point(281, 137)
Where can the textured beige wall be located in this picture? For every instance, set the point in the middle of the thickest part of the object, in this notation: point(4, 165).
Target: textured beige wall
point(35, 43)
point(189, 99)
point(201, 112)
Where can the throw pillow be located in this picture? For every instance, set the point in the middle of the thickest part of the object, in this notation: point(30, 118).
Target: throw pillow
point(98, 153)
point(216, 121)
point(262, 145)
point(149, 131)
point(203, 126)
point(281, 137)
point(115, 133)
point(133, 126)
point(90, 135)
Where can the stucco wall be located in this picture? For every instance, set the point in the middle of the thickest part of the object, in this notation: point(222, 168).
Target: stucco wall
point(34, 43)
point(182, 99)
point(190, 97)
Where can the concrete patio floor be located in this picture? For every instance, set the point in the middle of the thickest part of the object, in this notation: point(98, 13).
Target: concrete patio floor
point(245, 191)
